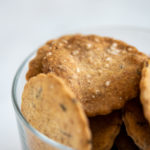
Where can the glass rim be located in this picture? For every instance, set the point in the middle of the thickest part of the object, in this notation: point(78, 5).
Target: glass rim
point(41, 136)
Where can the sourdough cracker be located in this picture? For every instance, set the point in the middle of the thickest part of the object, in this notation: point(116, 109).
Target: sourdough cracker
point(50, 107)
point(103, 72)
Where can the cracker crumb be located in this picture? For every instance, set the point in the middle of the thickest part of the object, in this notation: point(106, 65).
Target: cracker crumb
point(53, 42)
point(90, 59)
point(75, 77)
point(69, 46)
point(51, 86)
point(123, 52)
point(60, 44)
point(75, 52)
point(114, 45)
point(97, 91)
point(108, 59)
point(49, 54)
point(44, 57)
point(107, 65)
point(130, 49)
point(50, 69)
point(98, 48)
point(78, 70)
point(89, 45)
point(107, 83)
point(113, 51)
point(96, 39)
point(88, 76)
point(93, 96)
point(60, 67)
point(89, 81)
point(64, 41)
point(99, 71)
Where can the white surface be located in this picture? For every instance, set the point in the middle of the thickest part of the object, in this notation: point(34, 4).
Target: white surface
point(26, 24)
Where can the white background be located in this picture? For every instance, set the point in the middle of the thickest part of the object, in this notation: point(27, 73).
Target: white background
point(26, 24)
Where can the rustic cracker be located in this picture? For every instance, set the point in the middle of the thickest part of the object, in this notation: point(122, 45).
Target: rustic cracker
point(124, 142)
point(145, 90)
point(103, 73)
point(136, 125)
point(50, 106)
point(104, 130)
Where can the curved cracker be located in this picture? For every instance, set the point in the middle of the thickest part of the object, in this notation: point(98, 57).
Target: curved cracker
point(50, 107)
point(145, 90)
point(105, 129)
point(136, 125)
point(103, 73)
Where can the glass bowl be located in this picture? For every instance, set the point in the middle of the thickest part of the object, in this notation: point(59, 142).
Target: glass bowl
point(31, 139)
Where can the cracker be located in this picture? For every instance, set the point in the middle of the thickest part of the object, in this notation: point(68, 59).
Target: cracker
point(136, 125)
point(104, 130)
point(145, 90)
point(50, 106)
point(103, 73)
point(124, 142)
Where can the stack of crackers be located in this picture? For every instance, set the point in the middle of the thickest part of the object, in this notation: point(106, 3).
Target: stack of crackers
point(89, 93)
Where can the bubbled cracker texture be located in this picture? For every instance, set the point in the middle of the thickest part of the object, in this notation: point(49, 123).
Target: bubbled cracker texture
point(103, 72)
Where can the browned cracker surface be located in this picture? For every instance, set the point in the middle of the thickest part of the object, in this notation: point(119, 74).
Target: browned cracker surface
point(124, 142)
point(102, 72)
point(145, 90)
point(104, 130)
point(136, 125)
point(50, 106)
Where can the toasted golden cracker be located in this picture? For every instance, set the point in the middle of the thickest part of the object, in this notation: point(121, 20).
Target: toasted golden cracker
point(136, 125)
point(145, 90)
point(124, 142)
point(50, 106)
point(103, 73)
point(104, 130)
